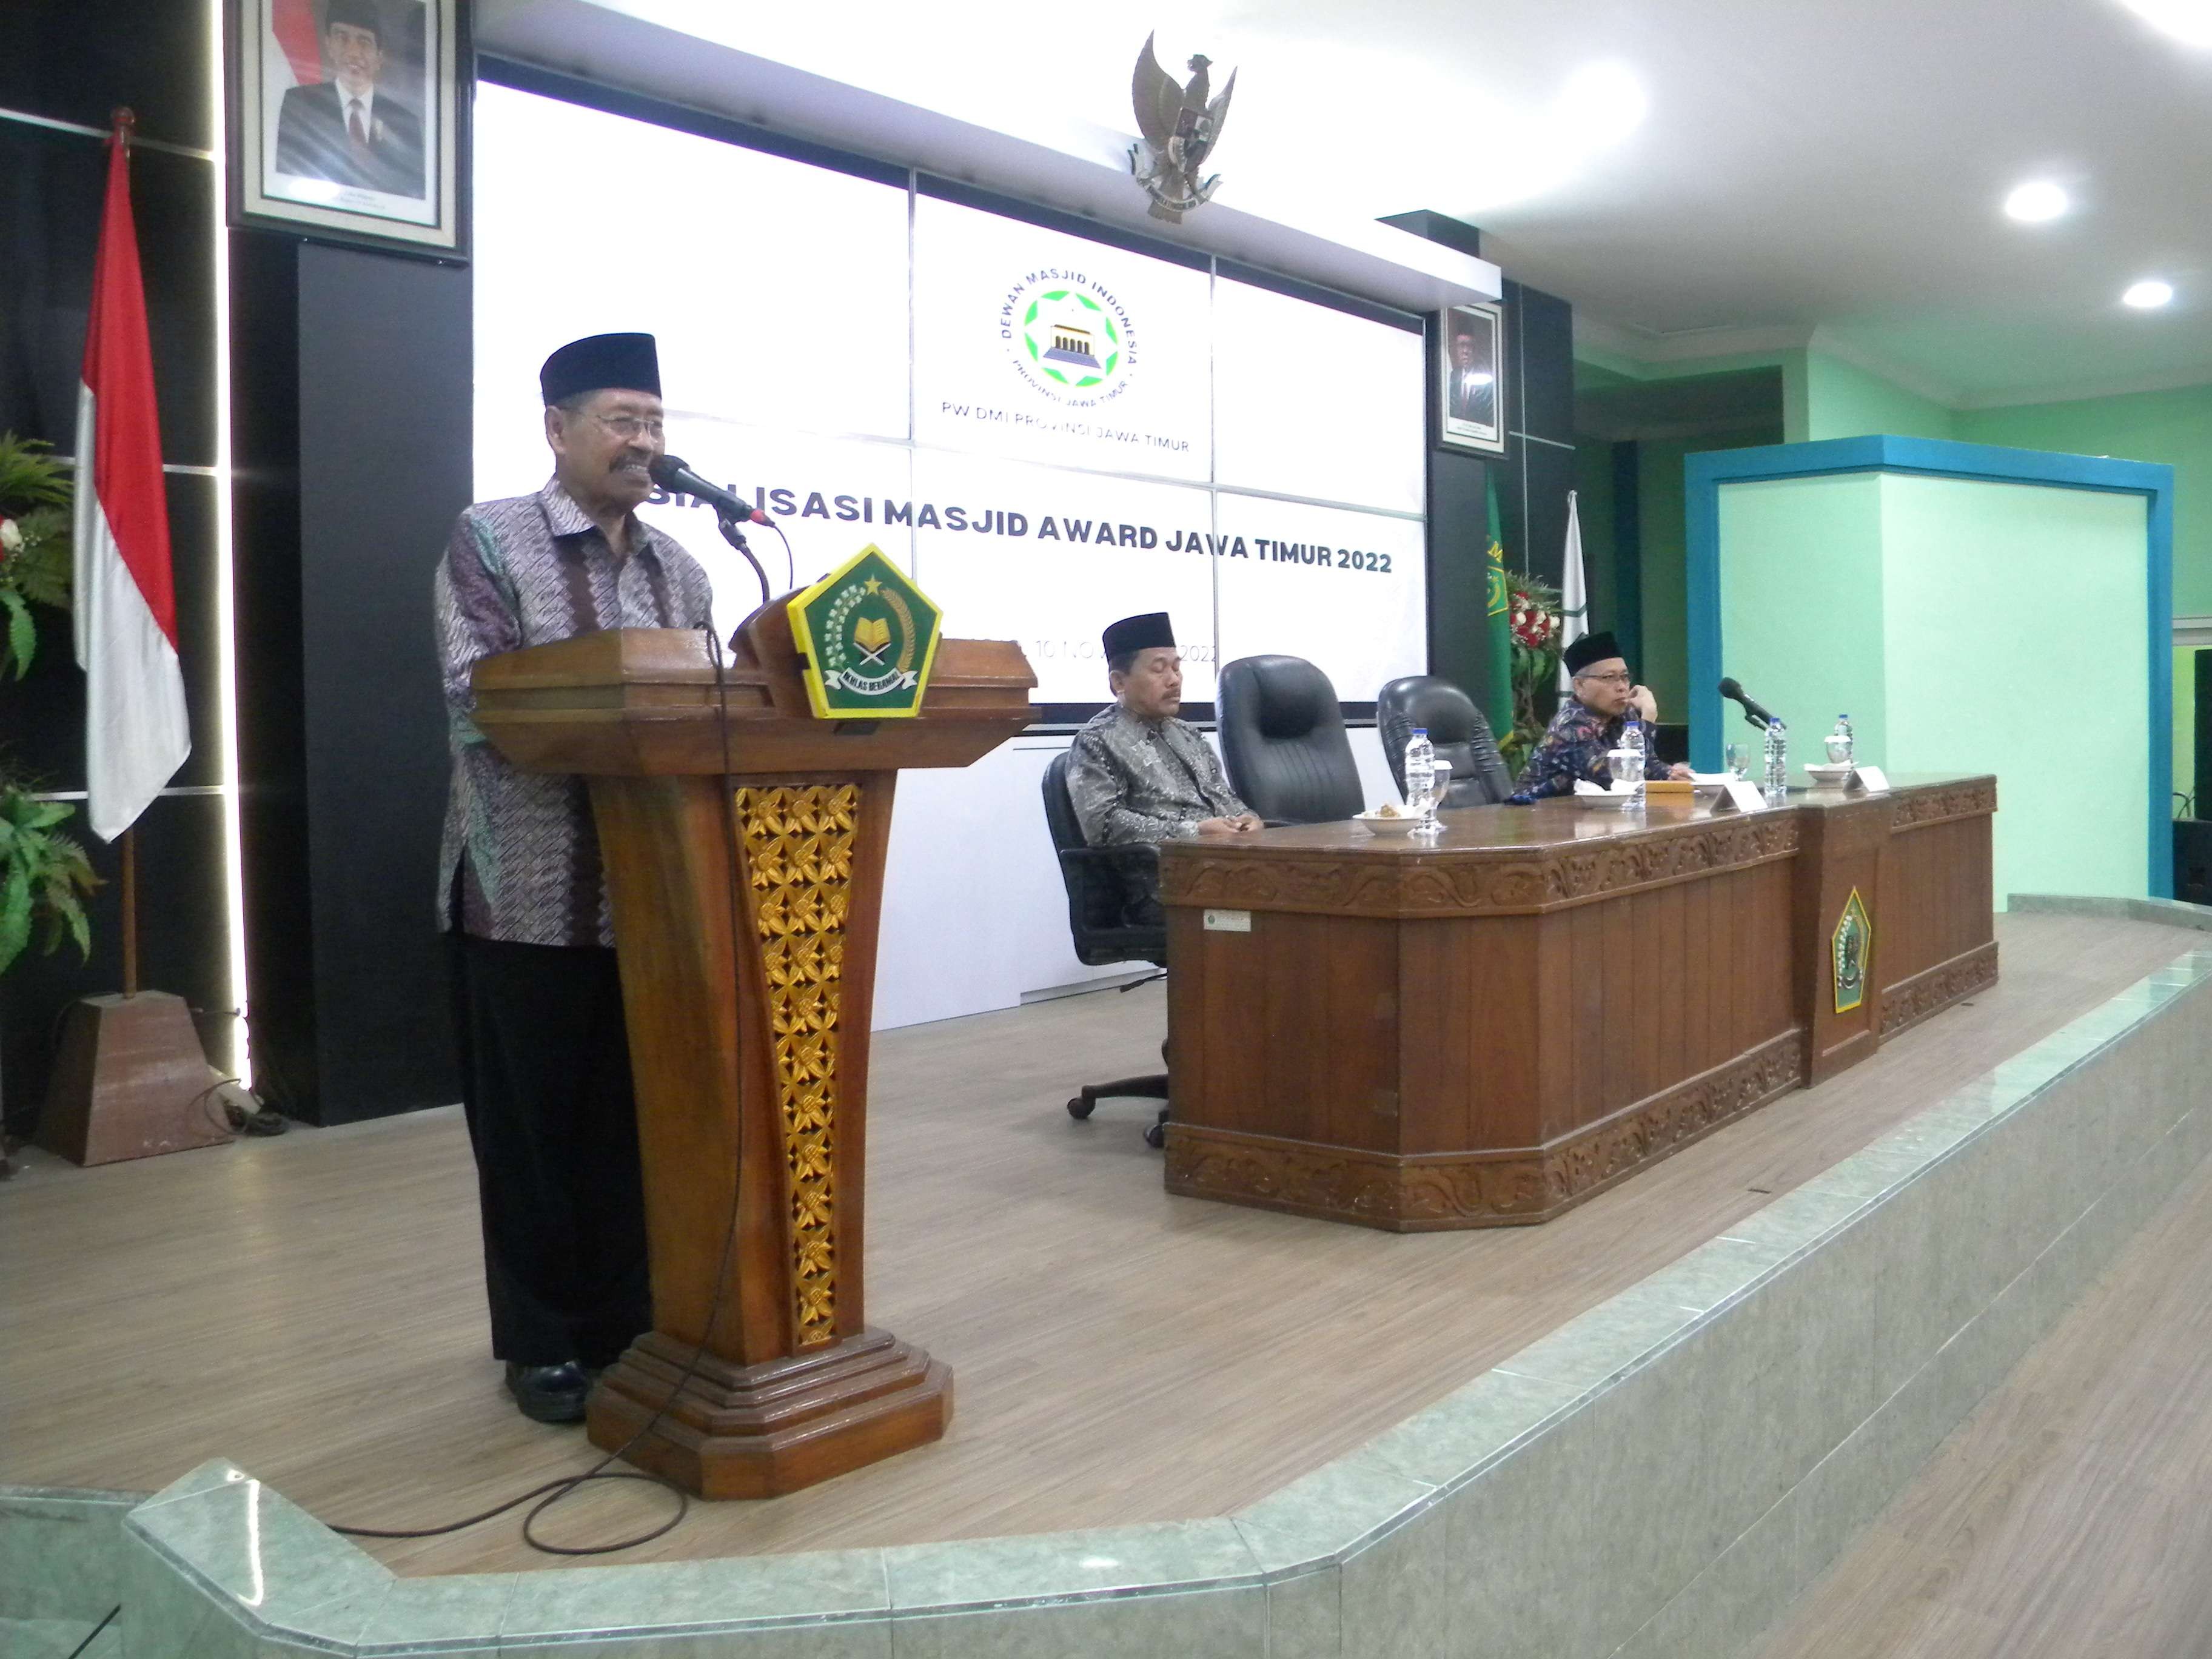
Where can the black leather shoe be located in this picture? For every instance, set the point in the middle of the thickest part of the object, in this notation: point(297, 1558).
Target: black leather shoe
point(549, 1393)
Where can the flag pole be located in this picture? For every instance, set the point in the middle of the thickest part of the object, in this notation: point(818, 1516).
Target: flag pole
point(121, 121)
point(131, 911)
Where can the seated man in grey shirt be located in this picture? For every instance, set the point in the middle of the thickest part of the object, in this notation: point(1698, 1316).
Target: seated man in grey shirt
point(1137, 775)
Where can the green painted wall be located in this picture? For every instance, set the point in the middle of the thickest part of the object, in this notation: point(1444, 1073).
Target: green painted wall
point(2055, 582)
point(1801, 606)
point(1665, 538)
point(2172, 427)
point(1845, 594)
point(1846, 401)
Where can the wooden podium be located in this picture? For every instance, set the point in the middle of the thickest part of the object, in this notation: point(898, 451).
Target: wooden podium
point(750, 1045)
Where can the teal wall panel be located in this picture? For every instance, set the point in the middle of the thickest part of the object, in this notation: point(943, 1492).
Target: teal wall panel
point(1802, 605)
point(2023, 603)
point(2013, 623)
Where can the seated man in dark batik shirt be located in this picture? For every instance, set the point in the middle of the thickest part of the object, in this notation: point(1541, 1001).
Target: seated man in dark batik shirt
point(1588, 724)
point(1137, 774)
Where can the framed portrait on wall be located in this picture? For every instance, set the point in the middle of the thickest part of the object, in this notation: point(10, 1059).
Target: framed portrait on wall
point(349, 121)
point(1471, 378)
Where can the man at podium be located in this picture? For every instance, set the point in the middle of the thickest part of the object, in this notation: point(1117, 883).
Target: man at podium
point(545, 1074)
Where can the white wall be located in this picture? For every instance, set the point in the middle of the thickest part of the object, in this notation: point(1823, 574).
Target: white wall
point(975, 915)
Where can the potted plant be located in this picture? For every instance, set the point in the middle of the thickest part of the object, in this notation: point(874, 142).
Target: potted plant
point(34, 545)
point(43, 875)
point(44, 878)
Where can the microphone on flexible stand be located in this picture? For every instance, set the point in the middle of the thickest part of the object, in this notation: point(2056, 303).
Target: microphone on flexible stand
point(674, 474)
point(1751, 711)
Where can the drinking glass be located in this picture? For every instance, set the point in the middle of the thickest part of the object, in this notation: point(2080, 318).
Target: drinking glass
point(1439, 786)
point(1739, 760)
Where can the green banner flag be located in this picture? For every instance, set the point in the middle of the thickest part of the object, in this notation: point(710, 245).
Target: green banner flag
point(1500, 700)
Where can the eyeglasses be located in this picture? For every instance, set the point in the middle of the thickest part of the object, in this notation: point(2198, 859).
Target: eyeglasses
point(629, 427)
point(1622, 678)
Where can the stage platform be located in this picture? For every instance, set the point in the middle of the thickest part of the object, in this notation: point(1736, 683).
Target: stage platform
point(1229, 1385)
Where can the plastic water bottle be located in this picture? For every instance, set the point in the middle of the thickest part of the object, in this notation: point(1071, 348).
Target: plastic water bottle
point(1777, 760)
point(1421, 774)
point(1839, 742)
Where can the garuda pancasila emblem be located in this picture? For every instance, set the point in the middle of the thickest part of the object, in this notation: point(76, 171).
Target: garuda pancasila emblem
point(1180, 129)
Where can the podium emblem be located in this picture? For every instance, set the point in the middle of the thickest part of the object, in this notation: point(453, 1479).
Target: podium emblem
point(1852, 948)
point(869, 638)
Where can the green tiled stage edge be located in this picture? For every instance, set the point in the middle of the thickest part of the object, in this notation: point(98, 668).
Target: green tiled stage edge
point(1661, 1477)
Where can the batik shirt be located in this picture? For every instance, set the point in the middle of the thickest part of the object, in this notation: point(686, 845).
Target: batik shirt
point(1135, 781)
point(1574, 746)
point(516, 573)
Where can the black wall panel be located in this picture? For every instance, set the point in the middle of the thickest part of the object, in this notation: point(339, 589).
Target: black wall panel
point(1543, 333)
point(51, 185)
point(75, 60)
point(1459, 574)
point(352, 433)
point(1547, 473)
point(385, 437)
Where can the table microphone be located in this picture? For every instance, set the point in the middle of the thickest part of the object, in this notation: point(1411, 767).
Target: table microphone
point(1752, 711)
point(674, 474)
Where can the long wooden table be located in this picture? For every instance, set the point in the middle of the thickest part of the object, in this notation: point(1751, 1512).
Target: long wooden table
point(1490, 1027)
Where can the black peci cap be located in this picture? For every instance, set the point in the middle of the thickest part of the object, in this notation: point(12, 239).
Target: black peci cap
point(1591, 647)
point(599, 362)
point(1140, 634)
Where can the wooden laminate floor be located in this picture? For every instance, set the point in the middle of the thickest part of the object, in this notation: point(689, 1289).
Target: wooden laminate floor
point(2070, 1516)
point(310, 1307)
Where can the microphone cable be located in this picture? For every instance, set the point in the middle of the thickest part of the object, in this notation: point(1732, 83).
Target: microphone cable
point(790, 563)
point(552, 1491)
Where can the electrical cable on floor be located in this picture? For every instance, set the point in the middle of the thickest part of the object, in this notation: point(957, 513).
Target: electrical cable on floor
point(552, 1491)
point(92, 1635)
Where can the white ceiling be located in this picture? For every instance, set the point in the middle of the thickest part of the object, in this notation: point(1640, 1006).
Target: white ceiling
point(1799, 166)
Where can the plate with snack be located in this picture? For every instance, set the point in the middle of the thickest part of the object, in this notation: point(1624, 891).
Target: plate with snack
point(1388, 819)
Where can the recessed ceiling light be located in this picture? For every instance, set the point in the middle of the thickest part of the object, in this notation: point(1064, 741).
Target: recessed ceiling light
point(2189, 21)
point(2148, 295)
point(2034, 203)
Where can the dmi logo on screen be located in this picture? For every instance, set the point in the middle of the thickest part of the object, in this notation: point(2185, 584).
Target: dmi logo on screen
point(1069, 337)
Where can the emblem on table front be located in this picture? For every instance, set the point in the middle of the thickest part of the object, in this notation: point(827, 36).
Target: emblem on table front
point(869, 638)
point(1851, 950)
point(1181, 127)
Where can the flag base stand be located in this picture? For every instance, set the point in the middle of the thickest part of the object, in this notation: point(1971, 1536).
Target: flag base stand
point(129, 1080)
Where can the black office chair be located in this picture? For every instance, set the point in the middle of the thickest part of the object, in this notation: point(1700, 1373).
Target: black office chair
point(1283, 742)
point(1456, 727)
point(1105, 885)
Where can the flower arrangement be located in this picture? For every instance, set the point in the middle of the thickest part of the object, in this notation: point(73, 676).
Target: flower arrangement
point(1535, 622)
point(34, 545)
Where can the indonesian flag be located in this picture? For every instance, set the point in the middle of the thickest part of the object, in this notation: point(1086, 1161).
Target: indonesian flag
point(136, 734)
